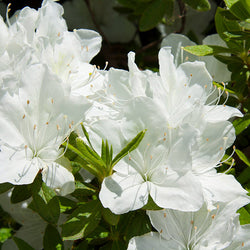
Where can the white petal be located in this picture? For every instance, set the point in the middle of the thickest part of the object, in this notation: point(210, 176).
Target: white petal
point(176, 42)
point(15, 168)
point(167, 68)
point(151, 241)
point(123, 193)
point(91, 43)
point(183, 193)
point(59, 178)
point(220, 113)
point(220, 187)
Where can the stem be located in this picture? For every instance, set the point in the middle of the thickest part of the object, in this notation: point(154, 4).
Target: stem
point(183, 11)
point(95, 22)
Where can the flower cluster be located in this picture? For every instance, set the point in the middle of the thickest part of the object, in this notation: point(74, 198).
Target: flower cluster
point(48, 87)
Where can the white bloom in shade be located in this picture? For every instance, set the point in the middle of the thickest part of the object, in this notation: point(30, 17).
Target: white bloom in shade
point(151, 170)
point(205, 229)
point(217, 69)
point(33, 125)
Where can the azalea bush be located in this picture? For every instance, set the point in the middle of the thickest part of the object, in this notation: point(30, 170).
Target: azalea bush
point(151, 156)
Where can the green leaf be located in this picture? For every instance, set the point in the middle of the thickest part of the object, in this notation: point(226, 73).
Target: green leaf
point(89, 155)
point(5, 233)
point(242, 157)
point(46, 193)
point(128, 3)
point(52, 239)
point(244, 176)
point(20, 193)
point(83, 189)
point(50, 211)
point(132, 145)
point(22, 245)
point(134, 223)
point(200, 5)
point(86, 135)
point(225, 22)
point(82, 221)
point(244, 216)
point(206, 50)
point(98, 236)
point(240, 8)
point(109, 217)
point(241, 124)
point(153, 14)
point(66, 204)
point(151, 205)
point(83, 161)
point(4, 187)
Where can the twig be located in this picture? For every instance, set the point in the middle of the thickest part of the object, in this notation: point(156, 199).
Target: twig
point(183, 11)
point(95, 22)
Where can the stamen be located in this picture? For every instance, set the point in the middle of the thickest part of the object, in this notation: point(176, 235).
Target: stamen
point(28, 102)
point(230, 166)
point(7, 14)
point(23, 116)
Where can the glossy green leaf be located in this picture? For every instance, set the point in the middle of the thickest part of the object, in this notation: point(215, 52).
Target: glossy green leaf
point(109, 217)
point(50, 212)
point(83, 189)
point(206, 50)
point(5, 233)
point(83, 160)
point(200, 5)
point(244, 176)
point(225, 22)
point(151, 205)
point(86, 135)
point(243, 157)
point(82, 221)
point(241, 124)
point(89, 155)
point(20, 193)
point(22, 245)
point(153, 14)
point(240, 8)
point(244, 216)
point(132, 145)
point(52, 239)
point(46, 192)
point(4, 187)
point(66, 204)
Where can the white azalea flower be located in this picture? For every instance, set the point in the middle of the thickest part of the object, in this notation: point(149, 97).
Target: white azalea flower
point(163, 173)
point(33, 126)
point(42, 37)
point(217, 69)
point(163, 104)
point(204, 229)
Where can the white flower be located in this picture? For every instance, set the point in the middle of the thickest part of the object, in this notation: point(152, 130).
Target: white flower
point(204, 229)
point(33, 125)
point(42, 37)
point(194, 134)
point(162, 172)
